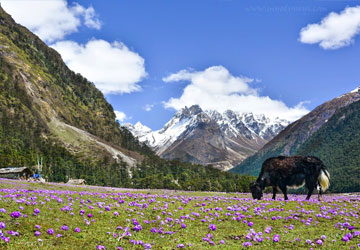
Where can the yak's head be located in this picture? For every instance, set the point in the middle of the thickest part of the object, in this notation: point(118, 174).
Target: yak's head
point(256, 190)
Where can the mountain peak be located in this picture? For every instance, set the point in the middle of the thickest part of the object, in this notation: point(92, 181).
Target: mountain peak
point(357, 90)
point(192, 110)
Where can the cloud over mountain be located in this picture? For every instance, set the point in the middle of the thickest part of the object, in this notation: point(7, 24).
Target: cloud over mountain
point(215, 88)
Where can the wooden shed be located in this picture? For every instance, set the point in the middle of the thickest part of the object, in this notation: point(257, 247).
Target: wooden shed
point(16, 173)
point(76, 182)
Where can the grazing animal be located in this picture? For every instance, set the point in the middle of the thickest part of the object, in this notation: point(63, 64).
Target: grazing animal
point(295, 171)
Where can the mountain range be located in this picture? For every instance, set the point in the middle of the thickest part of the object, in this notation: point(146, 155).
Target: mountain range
point(331, 132)
point(208, 137)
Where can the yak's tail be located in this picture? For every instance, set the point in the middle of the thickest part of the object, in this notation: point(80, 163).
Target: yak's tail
point(324, 179)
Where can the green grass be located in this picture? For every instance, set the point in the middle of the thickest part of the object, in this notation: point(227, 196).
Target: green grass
point(328, 218)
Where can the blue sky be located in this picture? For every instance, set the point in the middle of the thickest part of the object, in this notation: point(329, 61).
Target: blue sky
point(274, 57)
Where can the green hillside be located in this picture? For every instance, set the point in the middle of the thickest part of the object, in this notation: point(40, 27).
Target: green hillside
point(49, 112)
point(337, 143)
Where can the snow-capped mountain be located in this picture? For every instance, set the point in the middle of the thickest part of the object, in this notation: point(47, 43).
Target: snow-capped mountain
point(209, 137)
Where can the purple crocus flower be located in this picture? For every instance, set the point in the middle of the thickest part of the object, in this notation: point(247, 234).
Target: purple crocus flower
point(319, 242)
point(65, 228)
point(77, 230)
point(212, 227)
point(50, 231)
point(2, 225)
point(345, 238)
point(147, 246)
point(276, 238)
point(37, 233)
point(100, 247)
point(15, 214)
point(247, 244)
point(137, 228)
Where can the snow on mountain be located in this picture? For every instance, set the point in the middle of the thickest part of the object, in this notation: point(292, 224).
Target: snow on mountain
point(232, 137)
point(356, 90)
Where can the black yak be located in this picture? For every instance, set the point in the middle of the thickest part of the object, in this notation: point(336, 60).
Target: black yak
point(296, 171)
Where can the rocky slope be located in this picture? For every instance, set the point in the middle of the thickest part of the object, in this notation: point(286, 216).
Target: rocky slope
point(208, 137)
point(296, 134)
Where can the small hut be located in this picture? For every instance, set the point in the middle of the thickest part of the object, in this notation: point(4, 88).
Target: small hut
point(22, 173)
point(76, 182)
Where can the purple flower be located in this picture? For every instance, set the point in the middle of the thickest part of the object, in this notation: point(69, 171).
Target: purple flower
point(222, 242)
point(212, 227)
point(247, 244)
point(50, 231)
point(147, 246)
point(345, 238)
point(38, 227)
point(137, 228)
point(37, 233)
point(183, 225)
point(180, 246)
point(153, 230)
point(276, 238)
point(36, 210)
point(15, 214)
point(65, 228)
point(58, 235)
point(77, 230)
point(2, 225)
point(100, 247)
point(89, 215)
point(319, 242)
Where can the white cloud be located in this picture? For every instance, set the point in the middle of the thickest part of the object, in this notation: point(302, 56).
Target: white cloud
point(111, 66)
point(335, 30)
point(215, 88)
point(148, 107)
point(51, 20)
point(120, 116)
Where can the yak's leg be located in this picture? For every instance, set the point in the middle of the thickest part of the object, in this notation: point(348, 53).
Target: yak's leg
point(284, 190)
point(310, 184)
point(309, 193)
point(319, 191)
point(274, 192)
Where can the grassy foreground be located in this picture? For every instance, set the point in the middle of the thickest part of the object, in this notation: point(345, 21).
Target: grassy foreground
point(54, 216)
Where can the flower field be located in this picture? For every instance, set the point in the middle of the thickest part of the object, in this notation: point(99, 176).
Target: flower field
point(54, 216)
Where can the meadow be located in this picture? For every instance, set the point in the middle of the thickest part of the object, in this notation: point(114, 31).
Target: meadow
point(59, 216)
